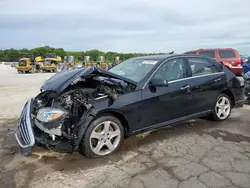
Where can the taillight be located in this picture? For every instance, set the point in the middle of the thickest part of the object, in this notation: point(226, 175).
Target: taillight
point(238, 62)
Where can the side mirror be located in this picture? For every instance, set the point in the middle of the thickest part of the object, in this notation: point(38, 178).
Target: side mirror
point(158, 83)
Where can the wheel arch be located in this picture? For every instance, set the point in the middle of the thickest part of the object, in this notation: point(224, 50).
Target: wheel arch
point(229, 94)
point(119, 116)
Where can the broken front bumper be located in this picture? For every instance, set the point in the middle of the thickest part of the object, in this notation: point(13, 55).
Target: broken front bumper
point(25, 134)
point(28, 135)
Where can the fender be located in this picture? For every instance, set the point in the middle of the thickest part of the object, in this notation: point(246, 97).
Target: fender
point(121, 116)
point(83, 123)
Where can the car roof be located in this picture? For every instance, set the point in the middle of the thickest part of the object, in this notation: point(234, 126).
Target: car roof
point(211, 49)
point(153, 57)
point(164, 57)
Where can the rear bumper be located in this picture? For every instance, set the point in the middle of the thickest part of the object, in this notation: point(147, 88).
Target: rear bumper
point(236, 69)
point(239, 95)
point(239, 103)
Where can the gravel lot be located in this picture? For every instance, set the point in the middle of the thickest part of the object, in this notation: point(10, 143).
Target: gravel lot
point(192, 154)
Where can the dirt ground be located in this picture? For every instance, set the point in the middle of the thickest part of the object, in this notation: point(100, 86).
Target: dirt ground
point(196, 153)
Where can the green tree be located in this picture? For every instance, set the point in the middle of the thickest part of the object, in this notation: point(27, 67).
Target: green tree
point(15, 54)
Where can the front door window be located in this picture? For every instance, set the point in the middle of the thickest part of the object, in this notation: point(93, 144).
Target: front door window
point(172, 70)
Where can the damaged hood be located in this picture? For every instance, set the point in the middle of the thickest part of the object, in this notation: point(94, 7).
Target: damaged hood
point(60, 81)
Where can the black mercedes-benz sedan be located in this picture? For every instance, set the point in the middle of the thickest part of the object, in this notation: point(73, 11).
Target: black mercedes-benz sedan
point(91, 110)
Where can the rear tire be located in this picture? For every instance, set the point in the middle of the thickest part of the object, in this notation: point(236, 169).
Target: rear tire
point(103, 137)
point(222, 108)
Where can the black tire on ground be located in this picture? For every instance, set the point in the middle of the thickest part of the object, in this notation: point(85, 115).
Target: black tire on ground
point(214, 116)
point(84, 147)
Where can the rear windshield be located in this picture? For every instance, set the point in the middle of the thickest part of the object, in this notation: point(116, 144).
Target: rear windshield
point(226, 54)
point(208, 53)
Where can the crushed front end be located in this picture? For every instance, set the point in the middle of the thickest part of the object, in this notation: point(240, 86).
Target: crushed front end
point(58, 120)
point(52, 121)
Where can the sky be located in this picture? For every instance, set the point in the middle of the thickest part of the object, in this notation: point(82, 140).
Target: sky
point(147, 26)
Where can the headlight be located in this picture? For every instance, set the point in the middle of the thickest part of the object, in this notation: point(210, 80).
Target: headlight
point(49, 114)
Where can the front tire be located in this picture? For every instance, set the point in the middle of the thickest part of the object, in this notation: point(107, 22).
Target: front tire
point(103, 137)
point(222, 108)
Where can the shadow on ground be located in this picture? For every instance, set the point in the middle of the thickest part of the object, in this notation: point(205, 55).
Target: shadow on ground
point(16, 168)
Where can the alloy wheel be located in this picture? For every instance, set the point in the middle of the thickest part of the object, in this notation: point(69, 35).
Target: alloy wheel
point(223, 107)
point(105, 138)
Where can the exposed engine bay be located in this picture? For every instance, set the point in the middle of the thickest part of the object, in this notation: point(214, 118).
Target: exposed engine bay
point(58, 116)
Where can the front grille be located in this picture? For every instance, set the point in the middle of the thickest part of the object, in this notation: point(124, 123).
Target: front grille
point(24, 134)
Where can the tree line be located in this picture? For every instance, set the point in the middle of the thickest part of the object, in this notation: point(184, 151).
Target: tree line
point(13, 55)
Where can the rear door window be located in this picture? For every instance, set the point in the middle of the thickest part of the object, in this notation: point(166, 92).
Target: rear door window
point(227, 54)
point(209, 53)
point(200, 66)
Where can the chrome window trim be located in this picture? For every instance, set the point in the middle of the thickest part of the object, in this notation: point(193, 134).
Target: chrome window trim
point(195, 77)
point(178, 79)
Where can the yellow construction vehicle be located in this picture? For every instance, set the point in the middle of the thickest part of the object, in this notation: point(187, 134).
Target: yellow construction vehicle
point(116, 61)
point(69, 62)
point(101, 63)
point(26, 64)
point(86, 61)
point(39, 61)
point(51, 63)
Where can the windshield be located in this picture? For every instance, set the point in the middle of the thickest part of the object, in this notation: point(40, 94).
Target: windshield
point(22, 63)
point(134, 69)
point(47, 62)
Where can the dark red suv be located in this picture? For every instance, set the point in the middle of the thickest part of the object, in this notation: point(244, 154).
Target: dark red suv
point(228, 56)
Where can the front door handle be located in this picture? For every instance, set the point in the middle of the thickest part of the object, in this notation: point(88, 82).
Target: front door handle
point(187, 87)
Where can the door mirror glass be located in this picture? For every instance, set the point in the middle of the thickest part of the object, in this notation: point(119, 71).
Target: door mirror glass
point(158, 83)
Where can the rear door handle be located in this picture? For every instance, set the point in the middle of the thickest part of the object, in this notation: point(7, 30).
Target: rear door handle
point(217, 79)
